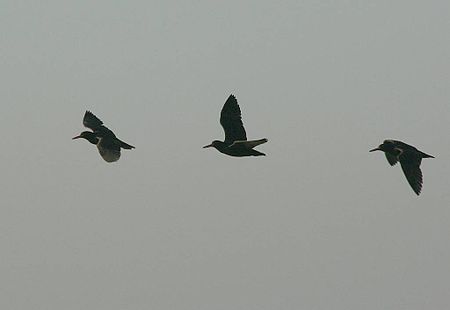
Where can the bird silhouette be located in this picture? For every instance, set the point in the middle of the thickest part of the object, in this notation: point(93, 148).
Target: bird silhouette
point(107, 143)
point(410, 159)
point(236, 143)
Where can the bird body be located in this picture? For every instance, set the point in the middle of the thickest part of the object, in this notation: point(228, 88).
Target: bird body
point(236, 143)
point(410, 159)
point(106, 141)
point(238, 148)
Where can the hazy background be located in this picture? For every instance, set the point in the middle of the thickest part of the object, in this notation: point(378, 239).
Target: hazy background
point(319, 223)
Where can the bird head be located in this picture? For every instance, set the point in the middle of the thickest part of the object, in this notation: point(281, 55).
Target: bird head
point(377, 148)
point(90, 136)
point(214, 144)
point(386, 146)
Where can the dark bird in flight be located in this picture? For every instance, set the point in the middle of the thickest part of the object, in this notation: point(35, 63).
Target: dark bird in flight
point(107, 143)
point(236, 143)
point(409, 158)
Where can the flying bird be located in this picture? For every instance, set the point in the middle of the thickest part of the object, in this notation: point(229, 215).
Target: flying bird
point(409, 158)
point(107, 143)
point(236, 143)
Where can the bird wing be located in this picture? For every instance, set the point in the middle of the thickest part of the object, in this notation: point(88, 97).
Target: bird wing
point(391, 159)
point(109, 149)
point(410, 162)
point(91, 121)
point(231, 121)
point(249, 144)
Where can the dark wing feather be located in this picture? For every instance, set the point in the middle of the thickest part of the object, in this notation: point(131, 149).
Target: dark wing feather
point(231, 121)
point(109, 149)
point(391, 159)
point(91, 121)
point(410, 162)
point(104, 131)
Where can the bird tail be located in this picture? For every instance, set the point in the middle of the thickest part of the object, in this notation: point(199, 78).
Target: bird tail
point(126, 146)
point(426, 155)
point(257, 153)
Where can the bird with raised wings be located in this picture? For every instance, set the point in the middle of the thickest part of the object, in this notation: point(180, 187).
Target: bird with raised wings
point(410, 159)
point(236, 143)
point(107, 143)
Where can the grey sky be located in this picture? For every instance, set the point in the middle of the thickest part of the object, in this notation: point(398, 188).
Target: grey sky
point(319, 223)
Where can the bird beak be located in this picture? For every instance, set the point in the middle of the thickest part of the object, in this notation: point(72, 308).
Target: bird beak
point(77, 137)
point(375, 149)
point(206, 146)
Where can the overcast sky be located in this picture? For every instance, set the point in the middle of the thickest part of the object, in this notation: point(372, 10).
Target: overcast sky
point(319, 223)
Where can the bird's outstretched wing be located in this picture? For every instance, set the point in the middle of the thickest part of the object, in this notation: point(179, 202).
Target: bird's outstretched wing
point(91, 121)
point(249, 144)
point(410, 162)
point(109, 149)
point(391, 159)
point(231, 121)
